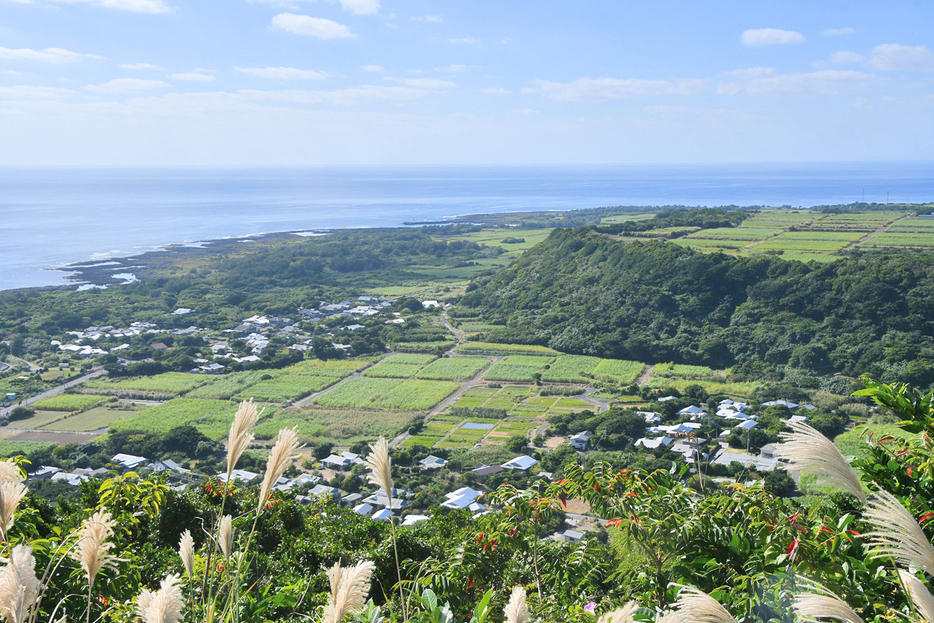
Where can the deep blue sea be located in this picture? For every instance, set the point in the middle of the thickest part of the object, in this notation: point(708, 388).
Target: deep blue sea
point(51, 217)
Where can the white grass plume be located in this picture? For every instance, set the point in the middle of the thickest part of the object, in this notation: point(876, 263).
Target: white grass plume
point(162, 606)
point(278, 461)
point(380, 466)
point(620, 615)
point(186, 551)
point(812, 607)
point(920, 596)
point(696, 606)
point(18, 585)
point(897, 533)
point(811, 451)
point(11, 493)
point(225, 536)
point(93, 546)
point(516, 611)
point(10, 472)
point(349, 588)
point(240, 436)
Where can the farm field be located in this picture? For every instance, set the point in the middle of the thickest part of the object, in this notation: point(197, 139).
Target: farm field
point(92, 419)
point(400, 366)
point(518, 401)
point(518, 369)
point(169, 383)
point(226, 387)
point(70, 402)
point(901, 239)
point(40, 419)
point(286, 387)
point(332, 367)
point(733, 233)
point(211, 417)
point(488, 348)
point(391, 394)
point(335, 425)
point(743, 390)
point(454, 368)
point(683, 371)
point(571, 368)
point(622, 371)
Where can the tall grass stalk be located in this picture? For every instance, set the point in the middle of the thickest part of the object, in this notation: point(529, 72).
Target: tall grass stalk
point(696, 606)
point(620, 615)
point(811, 451)
point(380, 475)
point(897, 533)
point(920, 596)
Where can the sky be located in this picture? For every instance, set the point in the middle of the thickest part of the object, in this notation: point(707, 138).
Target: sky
point(415, 82)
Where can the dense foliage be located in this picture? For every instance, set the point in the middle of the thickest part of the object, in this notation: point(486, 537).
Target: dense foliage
point(582, 292)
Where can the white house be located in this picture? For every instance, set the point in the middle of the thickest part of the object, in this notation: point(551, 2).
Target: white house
point(411, 520)
point(651, 444)
point(570, 536)
point(363, 509)
point(520, 463)
point(383, 515)
point(239, 475)
point(432, 462)
point(651, 417)
point(128, 461)
point(747, 425)
point(692, 410)
point(581, 440)
point(462, 498)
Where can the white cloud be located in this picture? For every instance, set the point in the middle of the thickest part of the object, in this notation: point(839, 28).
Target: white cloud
point(311, 26)
point(343, 97)
point(771, 36)
point(752, 72)
point(468, 40)
point(497, 91)
point(524, 111)
point(193, 77)
point(142, 66)
point(841, 58)
point(453, 68)
point(815, 83)
point(11, 72)
point(282, 73)
point(589, 89)
point(894, 57)
point(429, 83)
point(25, 92)
point(361, 7)
point(136, 6)
point(371, 68)
point(431, 19)
point(127, 85)
point(46, 55)
point(836, 32)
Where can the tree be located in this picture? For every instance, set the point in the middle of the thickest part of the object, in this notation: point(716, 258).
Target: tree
point(517, 443)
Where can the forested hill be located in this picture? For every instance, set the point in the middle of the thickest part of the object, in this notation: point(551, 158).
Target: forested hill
point(582, 292)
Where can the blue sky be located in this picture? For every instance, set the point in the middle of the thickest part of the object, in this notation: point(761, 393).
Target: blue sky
point(360, 82)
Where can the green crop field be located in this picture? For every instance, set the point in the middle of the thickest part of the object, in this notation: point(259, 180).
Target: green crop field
point(733, 233)
point(22, 448)
point(92, 419)
point(288, 387)
point(169, 383)
point(333, 425)
point(893, 239)
point(211, 417)
point(40, 419)
point(741, 390)
point(683, 371)
point(70, 402)
point(393, 394)
point(401, 366)
point(454, 368)
point(570, 369)
point(517, 369)
point(700, 244)
point(487, 348)
point(226, 387)
point(331, 367)
point(622, 371)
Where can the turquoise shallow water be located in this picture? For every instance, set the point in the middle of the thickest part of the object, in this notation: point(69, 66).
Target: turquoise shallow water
point(54, 216)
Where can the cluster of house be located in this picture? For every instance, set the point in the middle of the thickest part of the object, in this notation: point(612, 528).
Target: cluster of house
point(365, 306)
point(96, 333)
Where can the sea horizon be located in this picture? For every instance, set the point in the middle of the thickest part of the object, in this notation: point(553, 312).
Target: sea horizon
point(60, 215)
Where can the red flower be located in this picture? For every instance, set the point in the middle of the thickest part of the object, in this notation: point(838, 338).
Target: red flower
point(793, 550)
point(925, 517)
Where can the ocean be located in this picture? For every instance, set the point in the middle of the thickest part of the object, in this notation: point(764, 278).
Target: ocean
point(52, 217)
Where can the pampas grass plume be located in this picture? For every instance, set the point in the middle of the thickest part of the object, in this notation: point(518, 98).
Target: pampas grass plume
point(812, 606)
point(186, 551)
point(10, 472)
point(11, 493)
point(18, 585)
point(897, 533)
point(920, 595)
point(620, 615)
point(225, 536)
point(279, 457)
point(162, 606)
point(240, 437)
point(811, 451)
point(696, 606)
point(380, 466)
point(93, 546)
point(516, 611)
point(349, 588)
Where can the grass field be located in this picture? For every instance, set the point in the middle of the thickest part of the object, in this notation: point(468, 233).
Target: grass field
point(392, 394)
point(40, 419)
point(488, 348)
point(168, 383)
point(622, 371)
point(454, 368)
point(704, 245)
point(287, 387)
point(734, 233)
point(334, 425)
point(570, 369)
point(332, 367)
point(211, 417)
point(401, 366)
point(225, 388)
point(70, 402)
point(517, 369)
point(92, 419)
point(683, 371)
point(16, 448)
point(894, 238)
point(741, 390)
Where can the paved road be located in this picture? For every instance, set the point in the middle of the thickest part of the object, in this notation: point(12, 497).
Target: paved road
point(55, 391)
